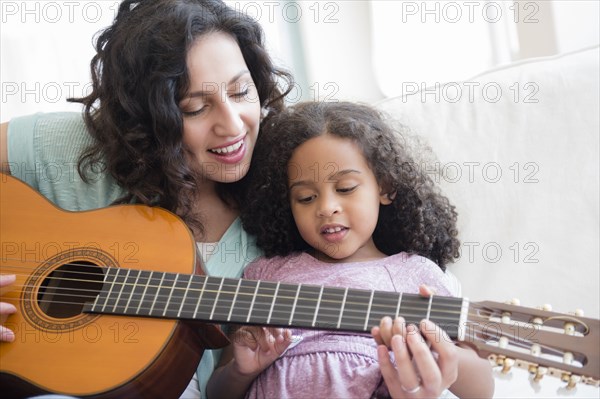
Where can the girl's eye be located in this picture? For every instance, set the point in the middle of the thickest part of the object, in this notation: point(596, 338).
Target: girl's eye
point(345, 190)
point(306, 199)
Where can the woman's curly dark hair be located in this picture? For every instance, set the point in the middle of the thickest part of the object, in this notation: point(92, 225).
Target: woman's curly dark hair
point(139, 76)
point(420, 219)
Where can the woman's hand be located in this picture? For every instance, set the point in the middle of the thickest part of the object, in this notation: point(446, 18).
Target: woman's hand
point(6, 309)
point(255, 348)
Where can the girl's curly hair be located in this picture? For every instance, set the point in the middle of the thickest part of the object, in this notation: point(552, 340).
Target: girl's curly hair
point(420, 219)
point(139, 76)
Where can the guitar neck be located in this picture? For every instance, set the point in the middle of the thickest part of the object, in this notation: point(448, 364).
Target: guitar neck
point(224, 300)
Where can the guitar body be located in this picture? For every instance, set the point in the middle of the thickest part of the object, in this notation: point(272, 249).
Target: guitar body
point(61, 350)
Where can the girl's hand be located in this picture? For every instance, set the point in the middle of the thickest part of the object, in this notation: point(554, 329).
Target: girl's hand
point(255, 348)
point(6, 309)
point(420, 373)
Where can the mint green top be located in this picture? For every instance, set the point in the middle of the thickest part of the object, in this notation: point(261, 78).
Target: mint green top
point(43, 151)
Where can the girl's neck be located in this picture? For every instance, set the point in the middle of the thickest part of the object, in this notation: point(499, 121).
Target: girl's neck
point(320, 256)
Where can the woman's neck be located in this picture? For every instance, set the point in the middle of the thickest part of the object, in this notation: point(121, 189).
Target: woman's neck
point(215, 215)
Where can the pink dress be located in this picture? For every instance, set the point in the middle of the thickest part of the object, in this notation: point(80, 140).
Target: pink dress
point(329, 364)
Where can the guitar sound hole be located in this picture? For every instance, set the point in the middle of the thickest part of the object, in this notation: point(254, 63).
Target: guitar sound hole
point(64, 292)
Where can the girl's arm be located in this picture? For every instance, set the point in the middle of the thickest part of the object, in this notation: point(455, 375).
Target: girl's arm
point(252, 350)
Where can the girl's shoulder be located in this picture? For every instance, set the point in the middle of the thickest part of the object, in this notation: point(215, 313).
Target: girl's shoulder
point(264, 268)
point(424, 271)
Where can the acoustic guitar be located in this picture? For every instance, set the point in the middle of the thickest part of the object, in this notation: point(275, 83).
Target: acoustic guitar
point(109, 307)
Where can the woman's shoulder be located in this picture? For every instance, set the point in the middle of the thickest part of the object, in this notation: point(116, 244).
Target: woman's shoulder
point(44, 151)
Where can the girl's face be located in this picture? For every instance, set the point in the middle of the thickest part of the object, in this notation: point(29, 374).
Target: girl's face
point(335, 199)
point(221, 110)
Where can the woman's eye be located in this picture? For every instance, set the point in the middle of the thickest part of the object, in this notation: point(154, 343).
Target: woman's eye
point(193, 113)
point(240, 94)
point(346, 189)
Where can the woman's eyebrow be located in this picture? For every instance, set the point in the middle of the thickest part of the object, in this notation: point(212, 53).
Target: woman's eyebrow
point(214, 87)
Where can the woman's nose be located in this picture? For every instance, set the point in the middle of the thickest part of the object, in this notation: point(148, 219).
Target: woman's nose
point(228, 120)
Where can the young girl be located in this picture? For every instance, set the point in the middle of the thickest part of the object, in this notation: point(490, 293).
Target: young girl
point(337, 200)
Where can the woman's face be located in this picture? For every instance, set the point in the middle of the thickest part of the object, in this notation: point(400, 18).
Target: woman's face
point(221, 111)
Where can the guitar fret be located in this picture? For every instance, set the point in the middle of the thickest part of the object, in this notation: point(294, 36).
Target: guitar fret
point(398, 307)
point(121, 291)
point(357, 303)
point(241, 307)
point(170, 295)
point(187, 289)
point(429, 307)
point(216, 299)
point(144, 293)
point(330, 308)
point(234, 299)
point(306, 306)
point(108, 295)
point(295, 302)
point(253, 300)
point(103, 295)
point(384, 304)
point(162, 277)
point(263, 303)
point(414, 308)
point(273, 303)
point(318, 306)
point(342, 309)
point(133, 290)
point(200, 297)
point(368, 310)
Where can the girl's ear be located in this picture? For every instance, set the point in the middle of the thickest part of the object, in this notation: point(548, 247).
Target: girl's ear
point(386, 198)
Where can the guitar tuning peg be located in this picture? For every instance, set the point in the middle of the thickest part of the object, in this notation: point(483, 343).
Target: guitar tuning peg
point(514, 301)
point(507, 365)
point(569, 328)
point(540, 373)
point(578, 312)
point(546, 307)
point(573, 381)
point(568, 358)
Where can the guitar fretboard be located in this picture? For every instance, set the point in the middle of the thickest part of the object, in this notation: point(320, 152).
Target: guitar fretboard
point(225, 300)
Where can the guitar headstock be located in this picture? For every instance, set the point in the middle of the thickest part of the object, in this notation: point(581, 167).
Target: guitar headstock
point(566, 346)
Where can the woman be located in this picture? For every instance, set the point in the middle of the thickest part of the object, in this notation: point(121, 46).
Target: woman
point(179, 90)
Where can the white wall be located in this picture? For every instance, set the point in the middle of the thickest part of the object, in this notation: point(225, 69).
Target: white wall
point(338, 50)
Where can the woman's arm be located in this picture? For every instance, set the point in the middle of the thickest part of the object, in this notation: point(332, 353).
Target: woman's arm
point(475, 379)
point(4, 148)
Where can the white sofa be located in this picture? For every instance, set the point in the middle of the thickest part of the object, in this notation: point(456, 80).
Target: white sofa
point(520, 151)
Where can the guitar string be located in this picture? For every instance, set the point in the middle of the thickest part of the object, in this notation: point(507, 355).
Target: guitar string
point(452, 304)
point(299, 312)
point(406, 309)
point(458, 305)
point(103, 268)
point(347, 315)
point(474, 328)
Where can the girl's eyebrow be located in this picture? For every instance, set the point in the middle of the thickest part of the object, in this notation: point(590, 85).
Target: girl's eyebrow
point(332, 177)
point(212, 85)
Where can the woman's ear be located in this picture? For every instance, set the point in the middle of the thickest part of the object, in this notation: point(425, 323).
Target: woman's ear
point(386, 198)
